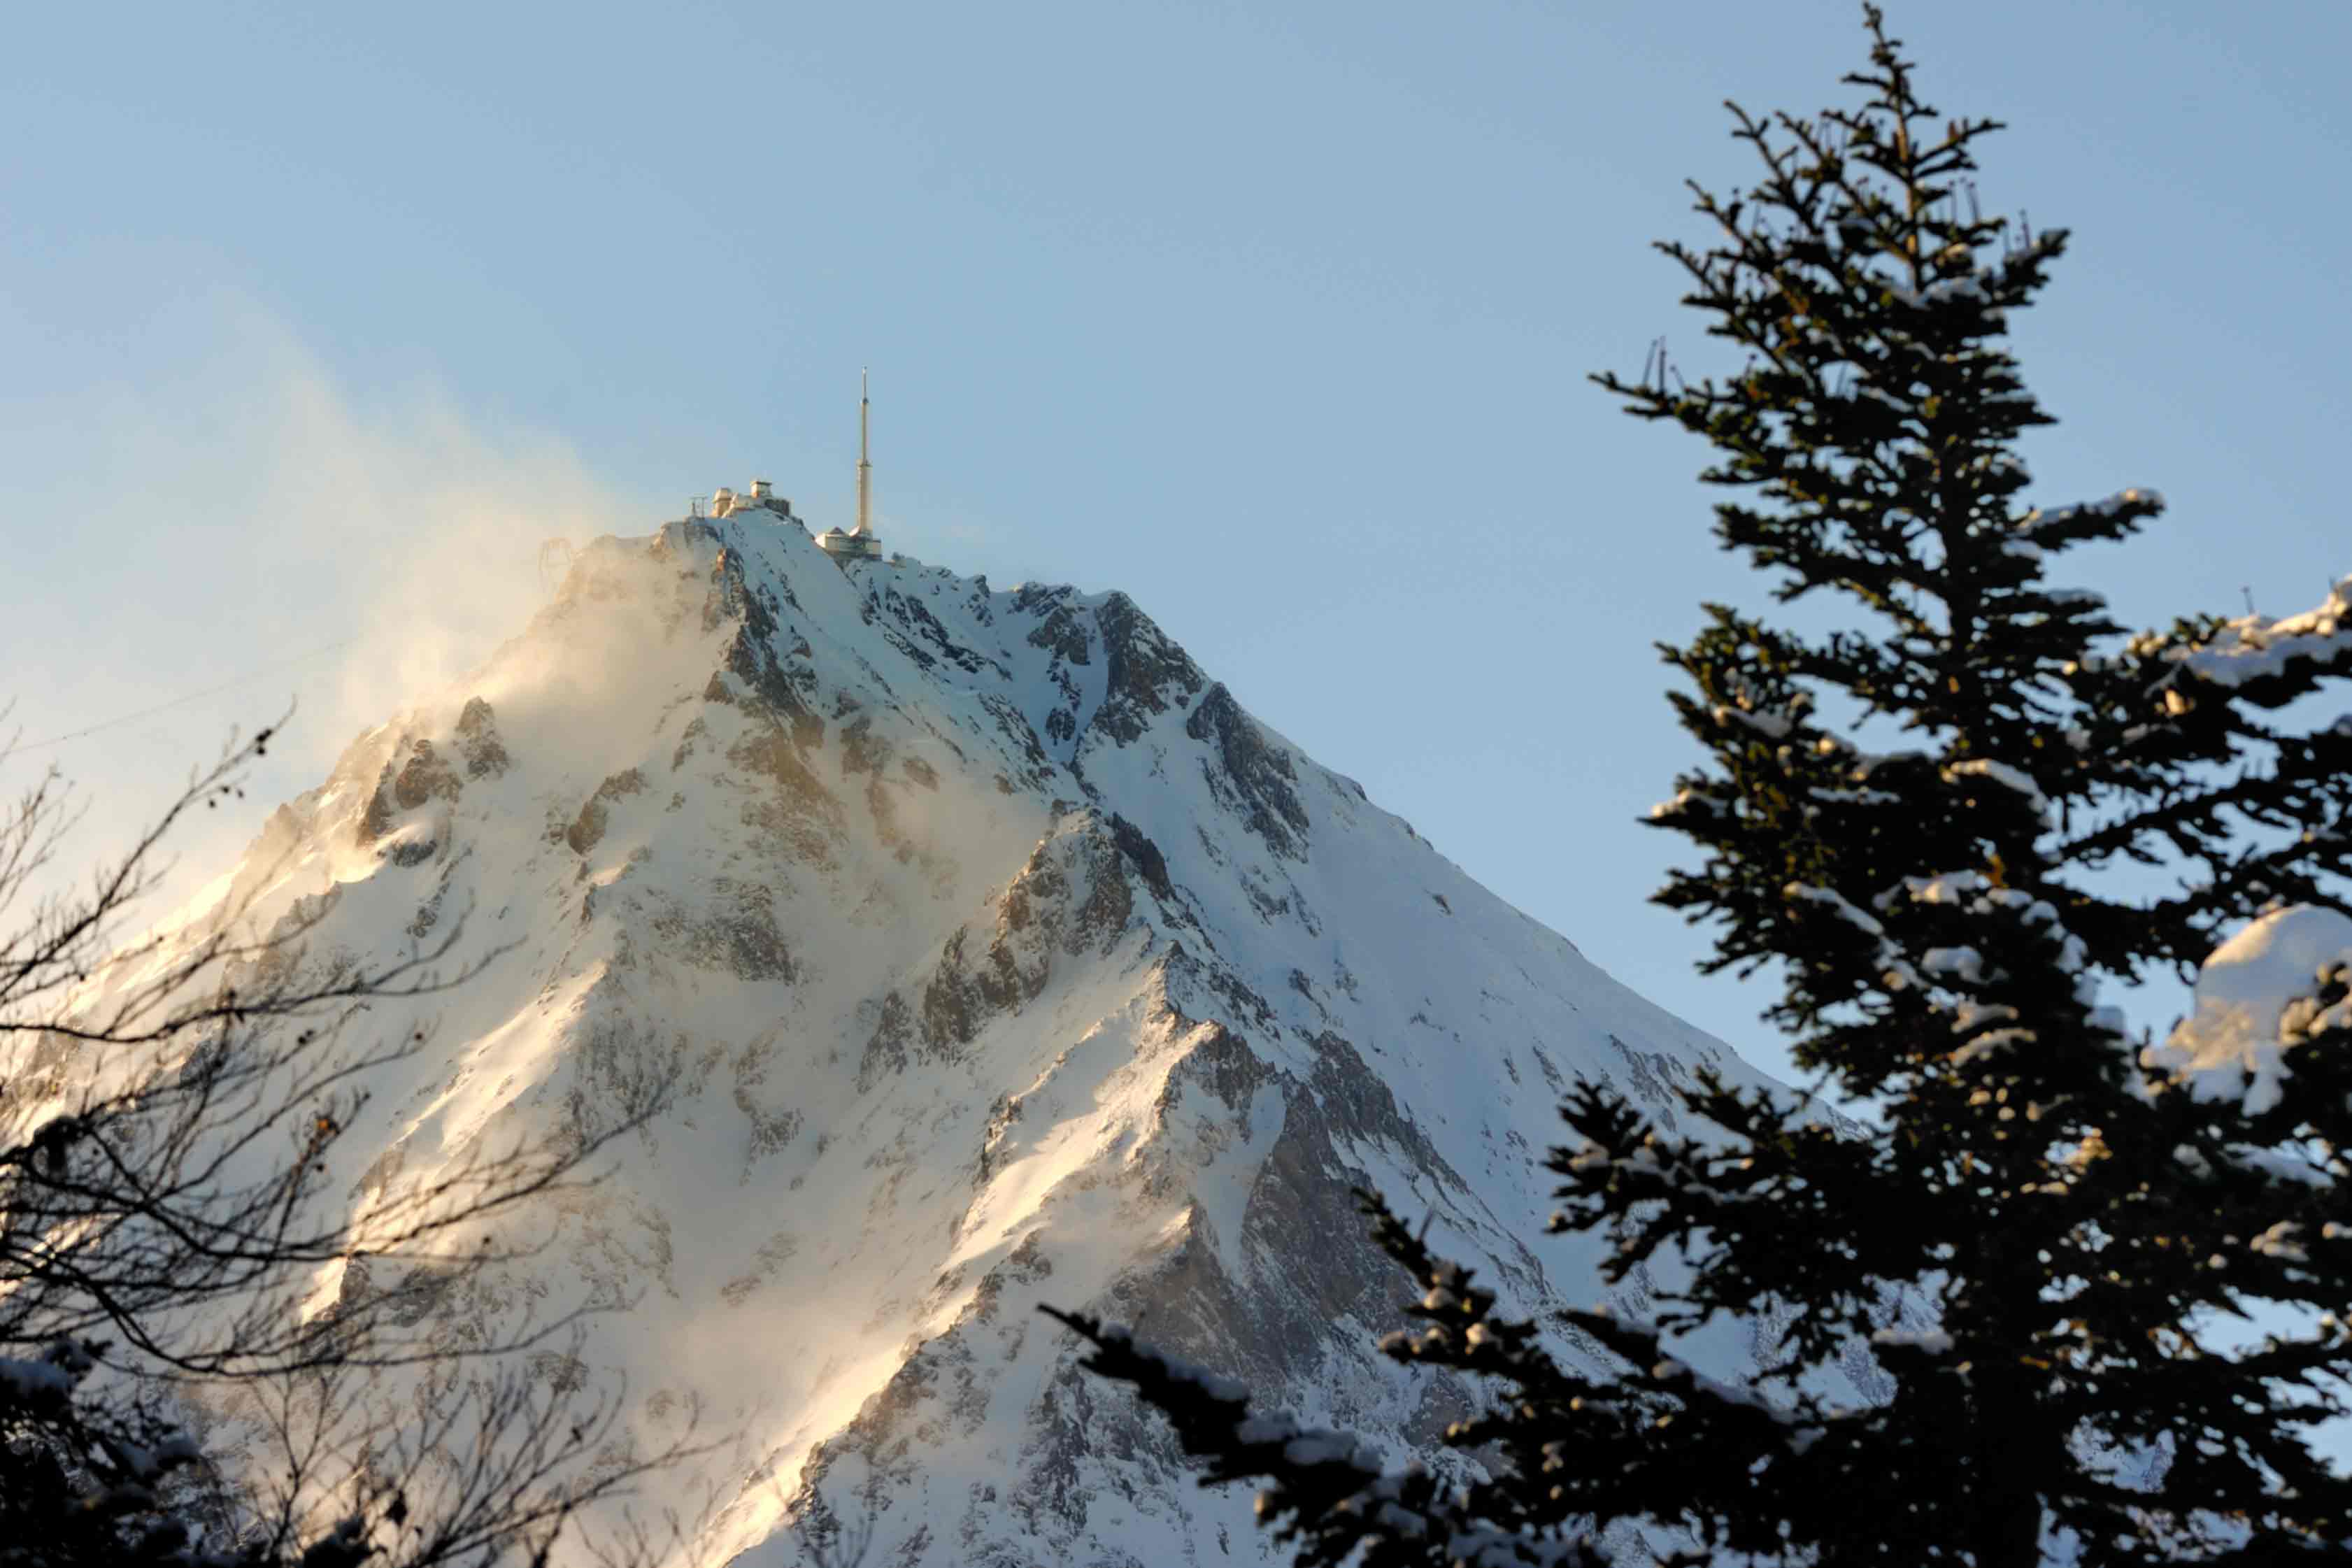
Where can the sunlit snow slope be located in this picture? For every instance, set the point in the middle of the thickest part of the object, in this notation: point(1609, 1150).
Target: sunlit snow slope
point(1000, 957)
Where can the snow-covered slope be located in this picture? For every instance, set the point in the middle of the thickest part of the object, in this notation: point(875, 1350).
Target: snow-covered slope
point(1000, 957)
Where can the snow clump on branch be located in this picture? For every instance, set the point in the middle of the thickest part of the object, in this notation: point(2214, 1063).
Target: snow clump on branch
point(2256, 999)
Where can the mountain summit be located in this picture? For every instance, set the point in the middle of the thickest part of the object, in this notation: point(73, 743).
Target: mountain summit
point(996, 956)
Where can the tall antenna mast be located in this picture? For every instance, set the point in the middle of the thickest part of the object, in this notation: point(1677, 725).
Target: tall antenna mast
point(865, 468)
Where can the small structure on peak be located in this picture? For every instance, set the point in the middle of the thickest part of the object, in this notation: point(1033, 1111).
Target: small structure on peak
point(725, 502)
point(859, 543)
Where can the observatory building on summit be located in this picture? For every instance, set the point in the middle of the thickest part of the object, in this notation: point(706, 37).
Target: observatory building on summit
point(725, 502)
point(859, 543)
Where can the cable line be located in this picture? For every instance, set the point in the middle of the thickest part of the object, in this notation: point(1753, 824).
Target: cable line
point(181, 702)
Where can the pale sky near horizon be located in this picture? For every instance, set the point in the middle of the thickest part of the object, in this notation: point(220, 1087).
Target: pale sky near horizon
point(316, 321)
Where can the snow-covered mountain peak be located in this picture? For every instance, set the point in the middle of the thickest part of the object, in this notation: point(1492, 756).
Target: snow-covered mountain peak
point(996, 955)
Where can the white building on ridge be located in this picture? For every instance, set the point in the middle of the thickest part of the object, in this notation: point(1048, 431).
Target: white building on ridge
point(725, 502)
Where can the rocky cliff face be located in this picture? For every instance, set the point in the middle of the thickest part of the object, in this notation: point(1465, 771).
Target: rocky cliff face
point(998, 956)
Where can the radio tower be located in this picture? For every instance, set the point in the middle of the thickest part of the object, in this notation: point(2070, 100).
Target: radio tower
point(859, 543)
point(865, 528)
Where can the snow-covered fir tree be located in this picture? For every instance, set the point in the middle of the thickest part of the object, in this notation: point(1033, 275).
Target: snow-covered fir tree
point(2094, 1277)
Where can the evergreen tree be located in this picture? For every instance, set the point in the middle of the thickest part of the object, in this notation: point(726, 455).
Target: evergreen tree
point(2026, 1255)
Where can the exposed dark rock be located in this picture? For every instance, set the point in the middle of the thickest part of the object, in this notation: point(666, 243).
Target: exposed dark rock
point(1221, 1063)
point(1025, 1265)
point(771, 755)
point(1136, 846)
point(415, 851)
point(800, 817)
point(377, 816)
point(953, 1009)
point(1014, 727)
point(1655, 1075)
point(898, 639)
point(727, 597)
point(477, 740)
point(862, 751)
point(1248, 775)
point(1211, 981)
point(752, 659)
point(1103, 916)
point(1072, 897)
point(587, 830)
point(1064, 635)
point(890, 1046)
point(962, 997)
point(734, 930)
point(423, 777)
point(695, 730)
point(912, 613)
point(774, 1253)
point(1266, 1330)
point(1036, 598)
point(1147, 673)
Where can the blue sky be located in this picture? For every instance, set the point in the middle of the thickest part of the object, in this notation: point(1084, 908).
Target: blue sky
point(316, 321)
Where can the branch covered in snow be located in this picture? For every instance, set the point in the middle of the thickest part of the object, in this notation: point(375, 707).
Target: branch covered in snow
point(1326, 1495)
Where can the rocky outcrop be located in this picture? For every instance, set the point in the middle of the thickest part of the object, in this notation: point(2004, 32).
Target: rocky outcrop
point(426, 776)
point(1136, 846)
point(587, 830)
point(1072, 900)
point(767, 659)
point(730, 928)
point(1063, 634)
point(478, 741)
point(1247, 775)
point(1147, 674)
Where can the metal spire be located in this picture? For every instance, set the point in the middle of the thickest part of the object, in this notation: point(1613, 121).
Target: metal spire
point(865, 468)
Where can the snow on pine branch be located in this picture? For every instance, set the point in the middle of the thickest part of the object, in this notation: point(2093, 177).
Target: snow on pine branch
point(2257, 1000)
point(1689, 803)
point(2064, 518)
point(1896, 970)
point(2012, 777)
point(1211, 1414)
point(2253, 647)
point(1771, 725)
point(1972, 895)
